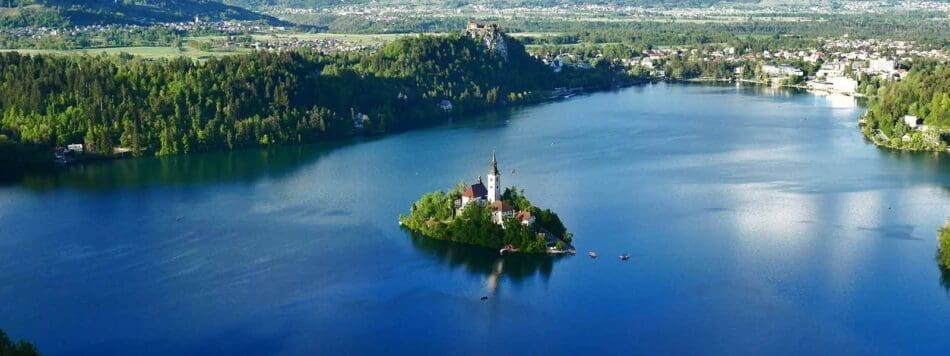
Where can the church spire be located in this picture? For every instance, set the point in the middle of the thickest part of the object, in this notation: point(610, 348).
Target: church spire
point(494, 180)
point(494, 164)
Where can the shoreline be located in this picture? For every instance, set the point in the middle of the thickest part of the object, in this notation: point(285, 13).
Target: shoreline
point(50, 165)
point(540, 97)
point(888, 144)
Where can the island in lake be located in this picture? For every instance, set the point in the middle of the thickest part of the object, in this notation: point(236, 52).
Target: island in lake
point(481, 214)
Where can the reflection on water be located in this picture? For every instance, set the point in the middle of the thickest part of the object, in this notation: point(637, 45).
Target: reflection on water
point(243, 165)
point(836, 100)
point(486, 261)
point(945, 279)
point(229, 166)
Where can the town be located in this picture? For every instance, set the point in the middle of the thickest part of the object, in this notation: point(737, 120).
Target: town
point(834, 65)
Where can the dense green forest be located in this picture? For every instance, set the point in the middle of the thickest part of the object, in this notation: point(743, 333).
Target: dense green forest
point(924, 93)
point(180, 106)
point(59, 13)
point(433, 216)
point(20, 348)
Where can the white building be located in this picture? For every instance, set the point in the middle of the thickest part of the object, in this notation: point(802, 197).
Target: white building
point(843, 84)
point(881, 65)
point(913, 121)
point(500, 210)
point(781, 70)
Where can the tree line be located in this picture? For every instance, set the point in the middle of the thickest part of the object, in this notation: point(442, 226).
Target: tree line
point(178, 105)
point(924, 93)
point(20, 348)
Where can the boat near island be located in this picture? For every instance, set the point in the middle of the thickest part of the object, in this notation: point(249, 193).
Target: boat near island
point(508, 248)
point(592, 254)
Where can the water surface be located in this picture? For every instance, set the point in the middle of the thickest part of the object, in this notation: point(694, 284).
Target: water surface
point(758, 221)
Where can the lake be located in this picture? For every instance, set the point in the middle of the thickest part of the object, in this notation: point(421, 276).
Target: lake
point(757, 220)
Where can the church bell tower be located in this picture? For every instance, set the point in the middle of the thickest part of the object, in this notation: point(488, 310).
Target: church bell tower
point(494, 181)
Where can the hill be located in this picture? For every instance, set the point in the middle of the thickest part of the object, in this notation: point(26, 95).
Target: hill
point(58, 13)
point(183, 106)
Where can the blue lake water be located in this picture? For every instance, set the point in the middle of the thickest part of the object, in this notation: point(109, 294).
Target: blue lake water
point(758, 221)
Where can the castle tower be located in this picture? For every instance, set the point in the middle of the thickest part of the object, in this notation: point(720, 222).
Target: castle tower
point(494, 181)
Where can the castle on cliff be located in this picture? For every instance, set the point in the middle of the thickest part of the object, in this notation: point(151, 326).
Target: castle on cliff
point(490, 36)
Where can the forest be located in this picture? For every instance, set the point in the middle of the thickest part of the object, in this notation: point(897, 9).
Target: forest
point(138, 107)
point(61, 13)
point(924, 93)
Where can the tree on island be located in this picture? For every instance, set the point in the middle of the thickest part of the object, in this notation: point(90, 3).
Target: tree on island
point(20, 348)
point(435, 216)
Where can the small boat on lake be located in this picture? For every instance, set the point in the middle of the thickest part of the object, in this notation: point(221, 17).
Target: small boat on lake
point(508, 248)
point(592, 254)
point(624, 257)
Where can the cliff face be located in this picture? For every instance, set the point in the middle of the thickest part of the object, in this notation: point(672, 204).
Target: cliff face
point(489, 34)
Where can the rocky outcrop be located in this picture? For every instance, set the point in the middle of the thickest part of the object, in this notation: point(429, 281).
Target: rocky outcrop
point(490, 36)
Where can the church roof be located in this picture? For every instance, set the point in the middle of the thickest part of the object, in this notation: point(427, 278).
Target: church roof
point(475, 191)
point(494, 165)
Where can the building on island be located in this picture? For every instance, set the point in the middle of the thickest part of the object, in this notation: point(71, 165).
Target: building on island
point(490, 195)
point(500, 210)
point(913, 121)
point(525, 217)
point(475, 192)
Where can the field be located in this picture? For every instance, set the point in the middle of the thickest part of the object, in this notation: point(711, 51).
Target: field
point(145, 52)
point(156, 52)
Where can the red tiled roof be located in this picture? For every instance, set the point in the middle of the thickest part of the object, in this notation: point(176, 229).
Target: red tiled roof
point(523, 215)
point(475, 191)
point(500, 205)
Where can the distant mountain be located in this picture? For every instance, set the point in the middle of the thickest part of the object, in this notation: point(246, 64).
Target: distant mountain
point(78, 12)
point(256, 4)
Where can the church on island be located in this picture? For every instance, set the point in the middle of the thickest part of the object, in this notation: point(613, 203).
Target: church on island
point(479, 194)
